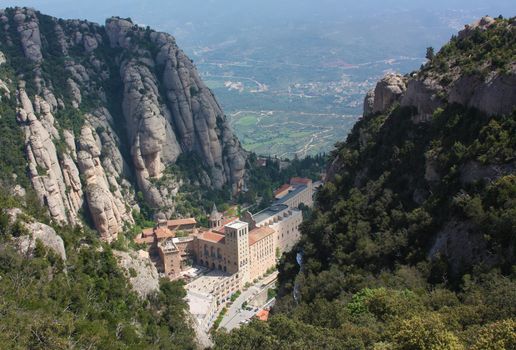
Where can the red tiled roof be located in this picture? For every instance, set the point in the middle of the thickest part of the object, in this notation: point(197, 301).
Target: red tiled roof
point(212, 237)
point(178, 222)
point(262, 315)
point(300, 180)
point(162, 232)
point(283, 188)
point(259, 233)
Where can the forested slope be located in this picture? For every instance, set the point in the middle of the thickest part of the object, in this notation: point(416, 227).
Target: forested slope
point(412, 241)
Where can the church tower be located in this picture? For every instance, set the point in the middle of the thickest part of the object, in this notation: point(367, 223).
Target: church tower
point(215, 219)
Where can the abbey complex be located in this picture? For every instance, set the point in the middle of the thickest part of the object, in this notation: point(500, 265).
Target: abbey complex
point(236, 251)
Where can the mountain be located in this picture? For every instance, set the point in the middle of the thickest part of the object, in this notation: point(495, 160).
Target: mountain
point(105, 112)
point(412, 242)
point(287, 71)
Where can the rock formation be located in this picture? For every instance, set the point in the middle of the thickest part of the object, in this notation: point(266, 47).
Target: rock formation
point(430, 89)
point(369, 103)
point(388, 91)
point(142, 273)
point(37, 231)
point(105, 110)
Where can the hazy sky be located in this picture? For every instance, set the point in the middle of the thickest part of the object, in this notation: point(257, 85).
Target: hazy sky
point(408, 26)
point(160, 13)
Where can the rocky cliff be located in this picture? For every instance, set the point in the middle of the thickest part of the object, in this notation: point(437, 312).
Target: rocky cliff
point(461, 73)
point(105, 111)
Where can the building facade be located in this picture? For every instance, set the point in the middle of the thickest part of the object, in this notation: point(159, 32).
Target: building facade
point(176, 254)
point(262, 251)
point(231, 246)
point(283, 220)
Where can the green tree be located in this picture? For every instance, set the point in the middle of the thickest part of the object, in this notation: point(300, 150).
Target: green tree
point(499, 335)
point(425, 332)
point(430, 53)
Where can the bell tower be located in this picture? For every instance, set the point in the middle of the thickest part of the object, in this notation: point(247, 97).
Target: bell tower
point(237, 245)
point(215, 219)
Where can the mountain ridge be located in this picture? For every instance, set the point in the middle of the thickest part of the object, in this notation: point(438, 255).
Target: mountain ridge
point(106, 109)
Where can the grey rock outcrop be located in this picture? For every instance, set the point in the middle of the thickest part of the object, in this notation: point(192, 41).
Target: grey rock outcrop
point(424, 95)
point(28, 26)
point(387, 92)
point(142, 273)
point(494, 95)
point(103, 191)
point(79, 155)
point(37, 231)
point(461, 243)
point(45, 169)
point(190, 120)
point(369, 103)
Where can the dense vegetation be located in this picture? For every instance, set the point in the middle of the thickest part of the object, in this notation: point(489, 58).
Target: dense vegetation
point(479, 53)
point(412, 243)
point(83, 302)
point(12, 158)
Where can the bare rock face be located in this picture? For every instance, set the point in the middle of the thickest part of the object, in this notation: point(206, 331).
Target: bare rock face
point(38, 231)
point(28, 26)
point(493, 94)
point(431, 172)
point(496, 95)
point(104, 197)
point(369, 103)
point(190, 120)
point(117, 30)
point(142, 273)
point(75, 92)
point(462, 244)
point(388, 91)
point(79, 155)
point(424, 95)
point(44, 167)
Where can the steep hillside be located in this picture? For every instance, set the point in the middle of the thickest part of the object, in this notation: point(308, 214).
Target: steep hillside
point(412, 243)
point(91, 114)
point(63, 288)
